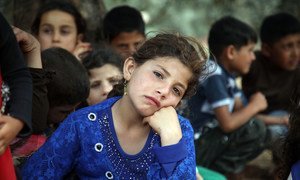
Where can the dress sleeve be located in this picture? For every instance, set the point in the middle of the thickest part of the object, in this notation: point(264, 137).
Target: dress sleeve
point(56, 157)
point(16, 75)
point(176, 161)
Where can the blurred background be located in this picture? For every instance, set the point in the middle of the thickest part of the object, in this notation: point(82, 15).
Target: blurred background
point(190, 17)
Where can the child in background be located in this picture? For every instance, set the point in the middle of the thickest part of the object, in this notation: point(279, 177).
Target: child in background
point(105, 70)
point(276, 71)
point(138, 135)
point(16, 120)
point(59, 24)
point(124, 29)
point(229, 136)
point(52, 100)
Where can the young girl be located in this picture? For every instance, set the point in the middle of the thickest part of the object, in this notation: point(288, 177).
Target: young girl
point(138, 135)
point(59, 24)
point(104, 70)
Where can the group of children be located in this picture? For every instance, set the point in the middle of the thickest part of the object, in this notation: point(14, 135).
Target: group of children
point(81, 128)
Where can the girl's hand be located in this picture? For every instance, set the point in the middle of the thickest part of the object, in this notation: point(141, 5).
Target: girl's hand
point(81, 50)
point(165, 122)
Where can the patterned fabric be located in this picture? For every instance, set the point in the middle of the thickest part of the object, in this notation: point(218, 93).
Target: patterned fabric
point(86, 142)
point(295, 173)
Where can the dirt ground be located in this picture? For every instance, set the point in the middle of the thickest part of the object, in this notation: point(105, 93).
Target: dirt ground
point(260, 168)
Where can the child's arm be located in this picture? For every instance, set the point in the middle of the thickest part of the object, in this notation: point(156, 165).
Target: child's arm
point(176, 156)
point(30, 47)
point(231, 121)
point(269, 120)
point(16, 75)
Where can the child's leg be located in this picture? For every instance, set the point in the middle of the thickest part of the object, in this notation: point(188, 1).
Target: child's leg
point(228, 153)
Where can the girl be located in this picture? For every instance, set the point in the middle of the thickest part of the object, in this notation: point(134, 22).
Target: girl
point(138, 135)
point(59, 24)
point(104, 70)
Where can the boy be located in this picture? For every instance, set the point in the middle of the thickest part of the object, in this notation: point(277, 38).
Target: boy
point(276, 71)
point(124, 29)
point(58, 89)
point(229, 136)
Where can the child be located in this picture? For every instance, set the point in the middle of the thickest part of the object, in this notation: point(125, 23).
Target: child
point(138, 135)
point(229, 137)
point(124, 29)
point(276, 71)
point(290, 165)
point(67, 86)
point(59, 24)
point(17, 116)
point(104, 70)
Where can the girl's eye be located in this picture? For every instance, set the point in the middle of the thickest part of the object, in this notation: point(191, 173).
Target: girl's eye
point(114, 81)
point(64, 32)
point(157, 74)
point(47, 31)
point(177, 91)
point(95, 85)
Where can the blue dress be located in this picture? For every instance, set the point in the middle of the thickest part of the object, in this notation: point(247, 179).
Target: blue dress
point(86, 142)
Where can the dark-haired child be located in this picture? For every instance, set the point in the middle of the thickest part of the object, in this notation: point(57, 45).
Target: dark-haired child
point(124, 29)
point(229, 136)
point(138, 135)
point(60, 24)
point(104, 68)
point(276, 71)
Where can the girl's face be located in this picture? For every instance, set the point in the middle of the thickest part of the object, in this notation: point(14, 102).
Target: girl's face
point(102, 80)
point(157, 83)
point(58, 29)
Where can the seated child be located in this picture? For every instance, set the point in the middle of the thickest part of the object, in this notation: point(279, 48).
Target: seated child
point(138, 135)
point(229, 136)
point(104, 69)
point(60, 83)
point(276, 71)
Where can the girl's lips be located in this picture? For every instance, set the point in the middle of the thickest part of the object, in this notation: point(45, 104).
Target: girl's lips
point(154, 100)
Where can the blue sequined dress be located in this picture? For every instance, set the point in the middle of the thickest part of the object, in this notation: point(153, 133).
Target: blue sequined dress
point(86, 142)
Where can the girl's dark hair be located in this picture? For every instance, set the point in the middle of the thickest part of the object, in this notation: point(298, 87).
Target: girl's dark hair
point(188, 50)
point(291, 143)
point(61, 6)
point(101, 57)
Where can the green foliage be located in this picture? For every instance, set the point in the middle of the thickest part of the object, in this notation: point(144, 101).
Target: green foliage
point(194, 17)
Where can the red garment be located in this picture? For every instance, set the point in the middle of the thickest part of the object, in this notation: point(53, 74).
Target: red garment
point(7, 170)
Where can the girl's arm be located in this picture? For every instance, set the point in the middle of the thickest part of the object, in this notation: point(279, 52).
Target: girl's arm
point(176, 156)
point(56, 157)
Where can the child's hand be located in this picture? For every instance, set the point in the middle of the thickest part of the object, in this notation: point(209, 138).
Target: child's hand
point(81, 49)
point(9, 128)
point(165, 122)
point(30, 47)
point(259, 101)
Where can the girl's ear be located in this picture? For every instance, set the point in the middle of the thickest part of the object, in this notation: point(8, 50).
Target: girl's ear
point(128, 68)
point(265, 49)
